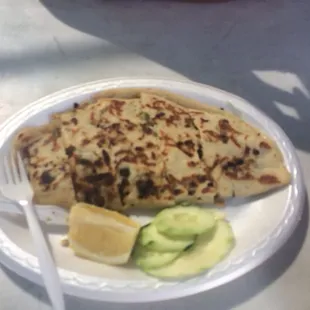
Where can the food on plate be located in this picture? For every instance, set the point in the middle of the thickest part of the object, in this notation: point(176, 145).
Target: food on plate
point(149, 148)
point(204, 254)
point(170, 256)
point(239, 159)
point(101, 235)
point(47, 164)
point(65, 242)
point(186, 102)
point(96, 141)
point(184, 221)
point(244, 162)
point(147, 259)
point(187, 175)
point(151, 239)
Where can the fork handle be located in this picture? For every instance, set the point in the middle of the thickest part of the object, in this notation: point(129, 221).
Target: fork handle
point(46, 262)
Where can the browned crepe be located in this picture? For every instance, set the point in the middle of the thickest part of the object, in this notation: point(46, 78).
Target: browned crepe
point(47, 165)
point(241, 160)
point(151, 148)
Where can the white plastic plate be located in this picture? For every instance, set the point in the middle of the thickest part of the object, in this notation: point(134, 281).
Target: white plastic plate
point(261, 225)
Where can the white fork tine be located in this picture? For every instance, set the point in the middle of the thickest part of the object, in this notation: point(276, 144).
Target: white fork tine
point(21, 167)
point(7, 171)
point(14, 169)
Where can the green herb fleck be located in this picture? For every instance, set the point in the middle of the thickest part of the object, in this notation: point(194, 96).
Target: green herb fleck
point(145, 116)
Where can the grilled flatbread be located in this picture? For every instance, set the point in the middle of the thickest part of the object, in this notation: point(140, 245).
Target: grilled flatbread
point(135, 158)
point(185, 172)
point(180, 100)
point(243, 161)
point(264, 168)
point(134, 147)
point(47, 165)
point(87, 148)
point(110, 139)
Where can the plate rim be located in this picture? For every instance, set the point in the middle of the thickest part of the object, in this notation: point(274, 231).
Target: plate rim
point(104, 294)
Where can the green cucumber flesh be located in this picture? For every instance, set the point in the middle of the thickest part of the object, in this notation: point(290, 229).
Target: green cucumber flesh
point(204, 255)
point(147, 259)
point(184, 221)
point(151, 239)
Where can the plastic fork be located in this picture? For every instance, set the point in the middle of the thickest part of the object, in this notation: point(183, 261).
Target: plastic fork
point(17, 188)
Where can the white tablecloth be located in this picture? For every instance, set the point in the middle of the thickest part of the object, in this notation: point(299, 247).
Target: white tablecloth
point(256, 49)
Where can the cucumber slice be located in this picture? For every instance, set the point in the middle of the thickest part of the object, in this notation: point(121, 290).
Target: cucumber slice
point(184, 221)
point(203, 255)
point(218, 215)
point(151, 239)
point(146, 259)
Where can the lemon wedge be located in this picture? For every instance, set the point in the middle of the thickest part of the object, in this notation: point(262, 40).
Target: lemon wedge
point(101, 235)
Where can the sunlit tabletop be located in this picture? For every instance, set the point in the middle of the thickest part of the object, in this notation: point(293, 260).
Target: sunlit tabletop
point(259, 50)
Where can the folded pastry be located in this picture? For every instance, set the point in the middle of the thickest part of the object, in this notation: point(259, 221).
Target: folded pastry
point(149, 148)
point(47, 164)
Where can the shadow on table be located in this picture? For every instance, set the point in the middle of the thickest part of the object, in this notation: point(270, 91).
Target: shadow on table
point(223, 298)
point(222, 44)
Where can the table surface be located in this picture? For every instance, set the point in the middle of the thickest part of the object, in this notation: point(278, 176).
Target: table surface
point(256, 49)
